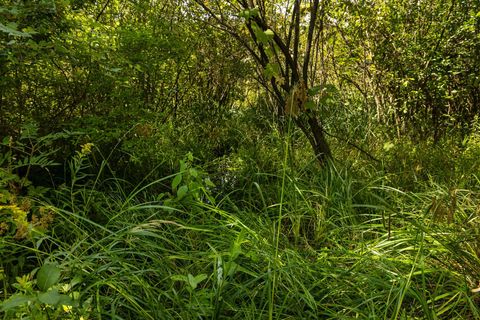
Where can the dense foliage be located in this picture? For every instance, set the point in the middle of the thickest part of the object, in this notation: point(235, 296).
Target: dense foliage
point(246, 159)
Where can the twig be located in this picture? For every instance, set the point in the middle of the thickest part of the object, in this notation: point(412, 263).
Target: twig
point(353, 145)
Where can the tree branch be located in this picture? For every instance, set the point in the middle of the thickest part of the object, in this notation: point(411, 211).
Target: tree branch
point(352, 145)
point(311, 28)
point(102, 11)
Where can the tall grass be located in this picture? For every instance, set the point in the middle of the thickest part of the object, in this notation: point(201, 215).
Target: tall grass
point(296, 244)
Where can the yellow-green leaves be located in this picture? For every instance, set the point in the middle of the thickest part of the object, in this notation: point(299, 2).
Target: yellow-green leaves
point(249, 13)
point(387, 146)
point(262, 36)
point(272, 70)
point(269, 34)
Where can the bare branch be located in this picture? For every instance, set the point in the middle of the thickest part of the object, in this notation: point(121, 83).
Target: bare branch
point(296, 37)
point(311, 28)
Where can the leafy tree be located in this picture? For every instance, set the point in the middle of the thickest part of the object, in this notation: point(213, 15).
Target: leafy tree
point(417, 62)
point(282, 40)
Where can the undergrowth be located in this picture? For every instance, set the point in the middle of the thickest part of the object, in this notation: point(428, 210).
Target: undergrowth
point(294, 242)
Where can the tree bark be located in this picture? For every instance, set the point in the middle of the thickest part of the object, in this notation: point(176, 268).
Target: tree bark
point(316, 137)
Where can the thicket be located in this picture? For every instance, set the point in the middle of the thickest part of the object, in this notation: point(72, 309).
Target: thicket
point(160, 160)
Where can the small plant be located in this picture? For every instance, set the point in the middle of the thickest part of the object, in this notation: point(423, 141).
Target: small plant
point(190, 183)
point(19, 214)
point(41, 295)
point(24, 220)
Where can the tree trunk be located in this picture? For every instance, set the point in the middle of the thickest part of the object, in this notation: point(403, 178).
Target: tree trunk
point(319, 145)
point(316, 137)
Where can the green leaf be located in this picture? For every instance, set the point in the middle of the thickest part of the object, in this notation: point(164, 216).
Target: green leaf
point(310, 105)
point(231, 268)
point(179, 277)
point(209, 183)
point(272, 70)
point(76, 280)
point(193, 172)
point(254, 12)
point(15, 301)
point(47, 276)
point(36, 191)
point(387, 146)
point(269, 33)
point(176, 181)
point(244, 14)
point(249, 13)
point(51, 297)
point(66, 300)
point(260, 34)
point(183, 165)
point(313, 91)
point(236, 248)
point(182, 192)
point(11, 29)
point(194, 281)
